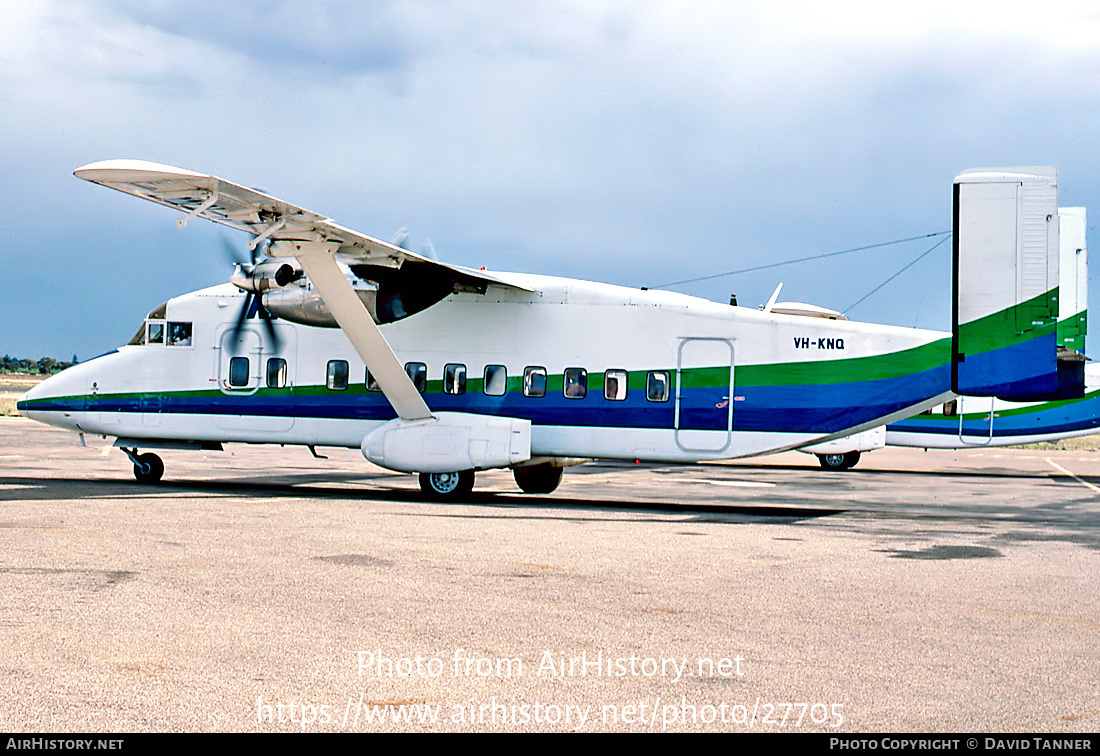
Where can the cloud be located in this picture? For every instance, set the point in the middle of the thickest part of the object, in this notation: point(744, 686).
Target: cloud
point(630, 142)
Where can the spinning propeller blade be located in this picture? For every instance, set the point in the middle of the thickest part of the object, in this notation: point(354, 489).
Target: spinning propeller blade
point(251, 301)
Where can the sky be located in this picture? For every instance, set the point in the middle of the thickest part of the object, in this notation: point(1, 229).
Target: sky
point(636, 143)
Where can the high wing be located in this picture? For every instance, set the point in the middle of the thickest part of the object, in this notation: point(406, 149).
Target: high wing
point(311, 238)
point(256, 213)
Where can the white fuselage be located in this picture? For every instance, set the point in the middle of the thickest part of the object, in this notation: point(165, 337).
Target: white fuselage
point(738, 381)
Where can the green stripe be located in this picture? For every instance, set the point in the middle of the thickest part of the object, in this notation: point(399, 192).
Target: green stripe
point(1025, 410)
point(852, 370)
point(893, 365)
point(1072, 331)
point(1011, 326)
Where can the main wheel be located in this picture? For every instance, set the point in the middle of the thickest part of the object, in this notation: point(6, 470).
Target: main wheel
point(838, 462)
point(148, 468)
point(537, 479)
point(447, 486)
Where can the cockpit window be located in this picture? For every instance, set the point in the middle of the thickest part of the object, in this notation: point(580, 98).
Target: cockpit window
point(179, 334)
point(152, 330)
point(139, 337)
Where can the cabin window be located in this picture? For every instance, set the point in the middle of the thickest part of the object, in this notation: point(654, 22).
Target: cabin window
point(276, 373)
point(576, 383)
point(238, 372)
point(155, 332)
point(614, 385)
point(657, 386)
point(951, 408)
point(179, 334)
point(418, 374)
point(496, 380)
point(454, 379)
point(337, 375)
point(534, 381)
point(372, 385)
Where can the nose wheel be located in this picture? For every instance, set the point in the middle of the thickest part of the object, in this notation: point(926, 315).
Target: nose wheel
point(148, 467)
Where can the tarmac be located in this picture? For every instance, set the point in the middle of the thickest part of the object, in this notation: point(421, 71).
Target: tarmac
point(263, 590)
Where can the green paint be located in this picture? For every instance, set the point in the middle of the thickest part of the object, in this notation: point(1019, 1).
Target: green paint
point(1072, 331)
point(1011, 326)
point(851, 370)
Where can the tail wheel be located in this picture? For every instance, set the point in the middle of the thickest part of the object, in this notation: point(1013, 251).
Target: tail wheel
point(447, 486)
point(148, 468)
point(838, 462)
point(537, 479)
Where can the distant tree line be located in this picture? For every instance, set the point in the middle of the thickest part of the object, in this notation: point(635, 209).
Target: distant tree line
point(43, 366)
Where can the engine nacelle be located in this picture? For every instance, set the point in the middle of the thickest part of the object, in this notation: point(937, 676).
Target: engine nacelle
point(299, 304)
point(868, 440)
point(266, 276)
point(451, 442)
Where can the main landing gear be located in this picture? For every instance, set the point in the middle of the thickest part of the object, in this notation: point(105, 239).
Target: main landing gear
point(452, 486)
point(537, 479)
point(837, 462)
point(148, 467)
point(447, 486)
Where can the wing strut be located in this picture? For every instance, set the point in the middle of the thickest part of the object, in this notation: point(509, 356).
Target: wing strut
point(318, 263)
point(182, 222)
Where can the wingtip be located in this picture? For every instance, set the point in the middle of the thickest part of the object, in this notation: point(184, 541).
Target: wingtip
point(130, 170)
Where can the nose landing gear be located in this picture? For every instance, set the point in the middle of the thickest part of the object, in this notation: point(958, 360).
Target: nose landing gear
point(148, 467)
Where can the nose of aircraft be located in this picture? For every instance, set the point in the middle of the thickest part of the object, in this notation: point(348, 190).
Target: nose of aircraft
point(58, 400)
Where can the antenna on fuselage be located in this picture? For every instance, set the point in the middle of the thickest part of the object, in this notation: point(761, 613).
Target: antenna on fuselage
point(775, 296)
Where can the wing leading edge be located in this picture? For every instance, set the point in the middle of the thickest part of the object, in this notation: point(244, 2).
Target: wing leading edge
point(256, 213)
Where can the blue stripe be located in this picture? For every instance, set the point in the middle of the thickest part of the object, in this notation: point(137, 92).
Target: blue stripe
point(1028, 369)
point(1045, 419)
point(827, 408)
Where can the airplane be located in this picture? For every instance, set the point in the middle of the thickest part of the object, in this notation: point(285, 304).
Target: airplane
point(332, 338)
point(968, 422)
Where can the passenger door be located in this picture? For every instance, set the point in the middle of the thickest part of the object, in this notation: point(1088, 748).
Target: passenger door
point(704, 394)
point(248, 403)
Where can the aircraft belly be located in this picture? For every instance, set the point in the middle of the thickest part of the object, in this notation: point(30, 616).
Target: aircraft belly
point(652, 445)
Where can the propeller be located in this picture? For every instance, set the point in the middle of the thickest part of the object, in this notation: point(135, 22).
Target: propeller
point(401, 239)
point(243, 278)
